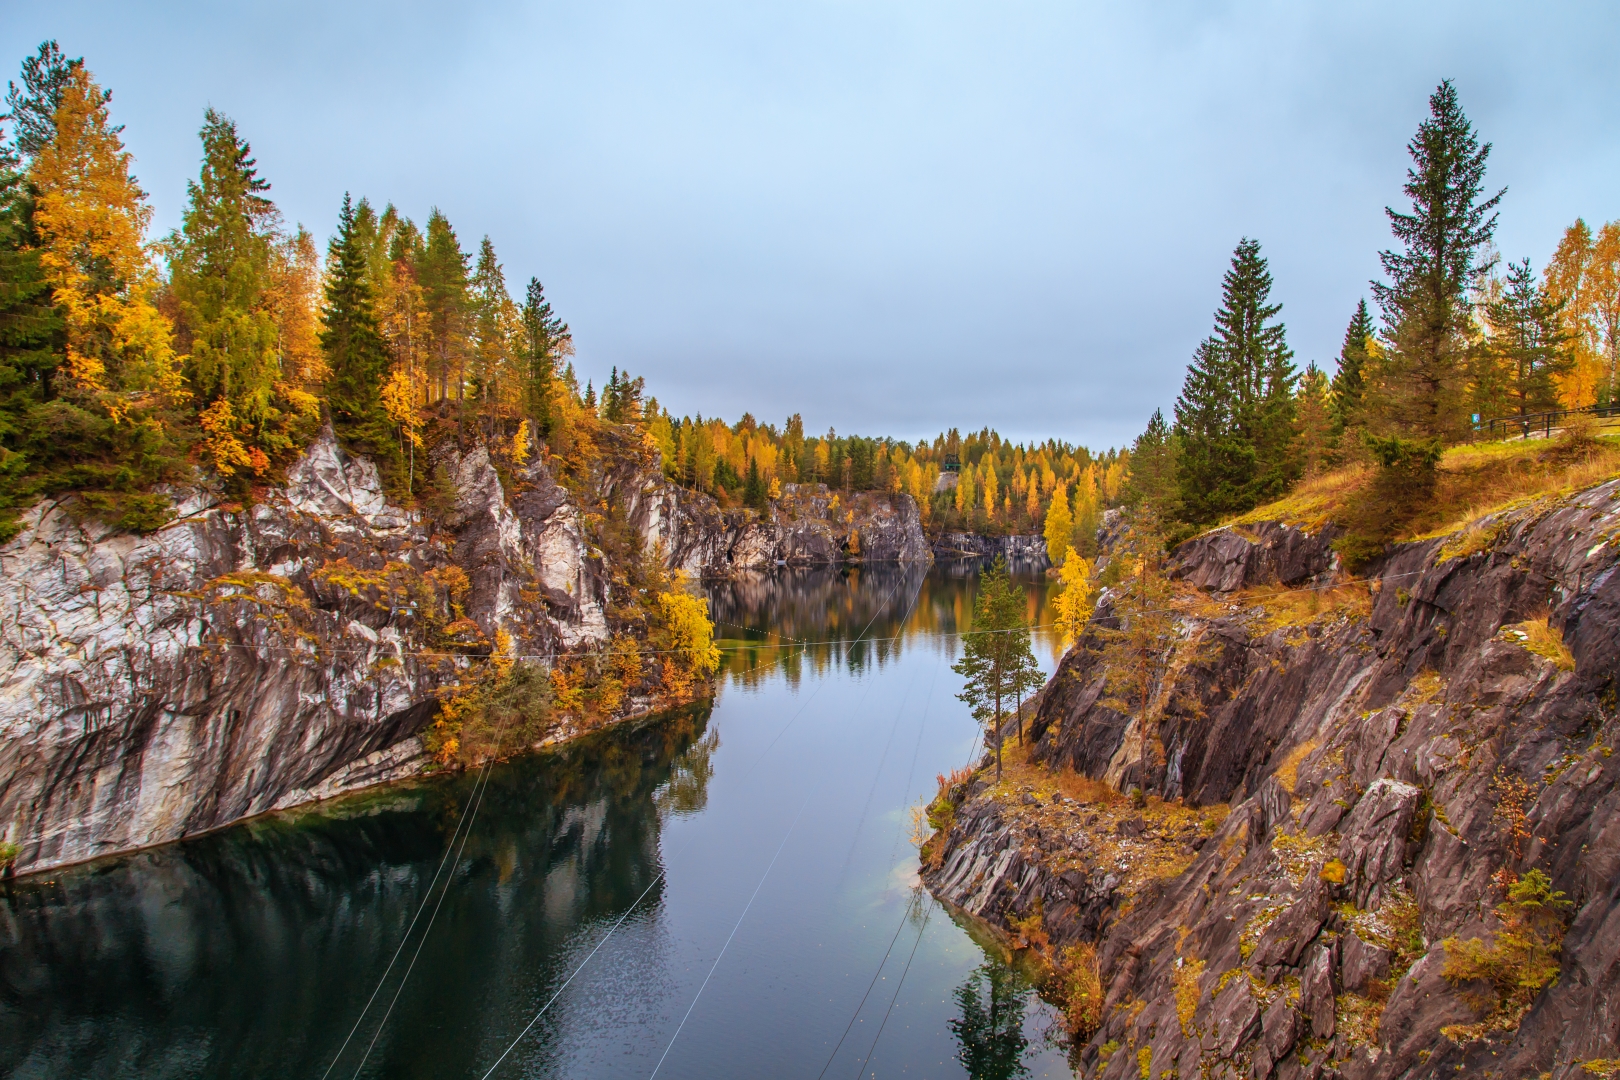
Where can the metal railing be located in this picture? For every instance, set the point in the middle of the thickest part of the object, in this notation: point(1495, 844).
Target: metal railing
point(1541, 423)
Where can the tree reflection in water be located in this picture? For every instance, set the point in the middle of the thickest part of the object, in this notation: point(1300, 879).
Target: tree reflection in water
point(687, 789)
point(990, 1031)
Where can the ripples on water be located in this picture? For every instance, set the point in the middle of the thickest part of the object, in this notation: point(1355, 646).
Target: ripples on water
point(251, 952)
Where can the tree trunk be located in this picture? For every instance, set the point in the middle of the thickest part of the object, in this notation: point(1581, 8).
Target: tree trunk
point(997, 721)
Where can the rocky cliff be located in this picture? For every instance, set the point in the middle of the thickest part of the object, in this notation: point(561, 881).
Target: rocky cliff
point(809, 525)
point(1318, 856)
point(959, 545)
point(249, 658)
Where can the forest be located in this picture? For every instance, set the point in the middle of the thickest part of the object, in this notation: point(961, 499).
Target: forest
point(129, 361)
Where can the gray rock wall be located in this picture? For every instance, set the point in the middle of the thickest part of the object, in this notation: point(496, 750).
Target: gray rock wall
point(959, 545)
point(241, 660)
point(156, 686)
point(807, 526)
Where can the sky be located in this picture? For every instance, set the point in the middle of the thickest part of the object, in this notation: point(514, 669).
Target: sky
point(891, 218)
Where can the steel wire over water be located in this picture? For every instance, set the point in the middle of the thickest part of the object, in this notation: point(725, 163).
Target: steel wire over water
point(249, 952)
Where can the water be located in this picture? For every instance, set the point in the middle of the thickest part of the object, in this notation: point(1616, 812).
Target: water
point(772, 832)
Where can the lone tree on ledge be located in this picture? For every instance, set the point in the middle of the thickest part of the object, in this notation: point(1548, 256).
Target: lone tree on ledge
point(996, 658)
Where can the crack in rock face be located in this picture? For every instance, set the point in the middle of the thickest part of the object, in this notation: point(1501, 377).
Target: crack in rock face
point(1377, 770)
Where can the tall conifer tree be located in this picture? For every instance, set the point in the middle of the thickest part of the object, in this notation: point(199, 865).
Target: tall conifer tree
point(1419, 394)
point(30, 346)
point(1349, 384)
point(444, 279)
point(355, 351)
point(545, 341)
point(220, 276)
point(1151, 488)
point(1234, 418)
point(32, 106)
point(1529, 346)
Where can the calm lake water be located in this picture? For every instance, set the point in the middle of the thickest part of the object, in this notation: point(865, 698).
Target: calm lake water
point(735, 888)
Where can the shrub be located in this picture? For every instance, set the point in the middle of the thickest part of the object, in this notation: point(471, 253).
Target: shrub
point(1519, 960)
point(1402, 486)
point(1083, 993)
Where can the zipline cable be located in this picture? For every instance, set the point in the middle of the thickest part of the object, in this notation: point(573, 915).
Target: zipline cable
point(481, 788)
point(426, 896)
point(920, 931)
point(732, 935)
point(662, 873)
point(808, 796)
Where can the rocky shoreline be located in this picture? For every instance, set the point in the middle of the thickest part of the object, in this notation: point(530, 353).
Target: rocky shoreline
point(1271, 877)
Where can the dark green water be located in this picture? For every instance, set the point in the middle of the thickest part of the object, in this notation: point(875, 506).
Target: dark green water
point(771, 833)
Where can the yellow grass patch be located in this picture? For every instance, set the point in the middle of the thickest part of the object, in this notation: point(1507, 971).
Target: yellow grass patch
point(1540, 637)
point(1158, 854)
point(1314, 502)
point(1288, 771)
point(1475, 481)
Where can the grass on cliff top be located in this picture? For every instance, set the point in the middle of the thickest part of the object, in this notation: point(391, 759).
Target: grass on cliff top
point(1475, 481)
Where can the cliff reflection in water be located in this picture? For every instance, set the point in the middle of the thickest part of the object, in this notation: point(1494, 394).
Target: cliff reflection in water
point(234, 953)
point(806, 619)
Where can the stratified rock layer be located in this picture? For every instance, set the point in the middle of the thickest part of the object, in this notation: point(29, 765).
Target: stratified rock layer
point(1383, 757)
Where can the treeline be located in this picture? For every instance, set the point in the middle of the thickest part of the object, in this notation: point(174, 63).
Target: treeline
point(991, 484)
point(128, 361)
point(1458, 340)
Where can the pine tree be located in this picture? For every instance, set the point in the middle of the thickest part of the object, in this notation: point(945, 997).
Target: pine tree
point(355, 351)
point(444, 279)
point(1349, 381)
point(494, 317)
point(1151, 488)
point(545, 340)
point(1234, 418)
point(1419, 394)
point(991, 654)
point(1315, 422)
point(219, 275)
point(1529, 344)
point(30, 347)
point(33, 105)
point(754, 487)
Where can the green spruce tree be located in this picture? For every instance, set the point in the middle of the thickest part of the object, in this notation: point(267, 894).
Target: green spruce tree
point(30, 353)
point(545, 341)
point(1349, 384)
point(1235, 415)
point(355, 351)
point(1151, 489)
point(444, 277)
point(1529, 345)
point(219, 273)
point(32, 106)
point(1428, 320)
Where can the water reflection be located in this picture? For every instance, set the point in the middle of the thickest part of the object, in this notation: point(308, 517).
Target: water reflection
point(989, 1027)
point(815, 620)
point(235, 953)
point(250, 952)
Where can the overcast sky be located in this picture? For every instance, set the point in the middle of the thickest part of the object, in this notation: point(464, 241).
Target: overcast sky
point(892, 218)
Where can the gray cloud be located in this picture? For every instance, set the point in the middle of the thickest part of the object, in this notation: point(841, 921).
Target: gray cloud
point(891, 218)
